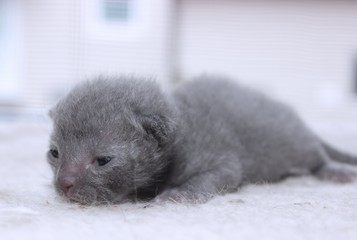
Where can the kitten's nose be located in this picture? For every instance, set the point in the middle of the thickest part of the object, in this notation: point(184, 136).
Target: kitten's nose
point(66, 183)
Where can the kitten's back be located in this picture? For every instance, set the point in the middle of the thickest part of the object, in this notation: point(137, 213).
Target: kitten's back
point(223, 117)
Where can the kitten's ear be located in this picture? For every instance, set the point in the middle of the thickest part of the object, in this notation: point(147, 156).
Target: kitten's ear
point(159, 127)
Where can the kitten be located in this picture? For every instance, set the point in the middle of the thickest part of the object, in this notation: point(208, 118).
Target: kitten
point(122, 139)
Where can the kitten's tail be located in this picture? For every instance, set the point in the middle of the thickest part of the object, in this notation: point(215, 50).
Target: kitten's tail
point(338, 155)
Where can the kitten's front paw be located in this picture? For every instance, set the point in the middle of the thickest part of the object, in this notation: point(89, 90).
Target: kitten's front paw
point(181, 196)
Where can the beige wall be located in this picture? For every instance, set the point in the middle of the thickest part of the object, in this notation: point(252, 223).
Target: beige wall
point(299, 51)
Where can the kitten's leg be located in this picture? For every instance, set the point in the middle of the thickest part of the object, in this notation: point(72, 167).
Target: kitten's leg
point(335, 172)
point(204, 185)
point(331, 170)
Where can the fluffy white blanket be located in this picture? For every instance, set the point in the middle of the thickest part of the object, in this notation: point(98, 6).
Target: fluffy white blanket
point(299, 208)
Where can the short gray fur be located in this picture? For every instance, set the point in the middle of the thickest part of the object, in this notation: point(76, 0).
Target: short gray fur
point(207, 137)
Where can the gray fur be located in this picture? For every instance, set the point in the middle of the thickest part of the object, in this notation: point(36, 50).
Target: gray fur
point(208, 137)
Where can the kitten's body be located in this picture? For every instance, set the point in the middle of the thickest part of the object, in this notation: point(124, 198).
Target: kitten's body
point(209, 137)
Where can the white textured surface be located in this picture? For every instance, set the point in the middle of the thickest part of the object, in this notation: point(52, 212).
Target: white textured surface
point(300, 208)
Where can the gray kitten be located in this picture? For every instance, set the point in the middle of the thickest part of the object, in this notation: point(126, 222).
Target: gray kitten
point(122, 139)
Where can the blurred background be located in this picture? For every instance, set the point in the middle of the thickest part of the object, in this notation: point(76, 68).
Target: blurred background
point(303, 52)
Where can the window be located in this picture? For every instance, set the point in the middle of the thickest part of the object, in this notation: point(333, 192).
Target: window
point(117, 19)
point(117, 10)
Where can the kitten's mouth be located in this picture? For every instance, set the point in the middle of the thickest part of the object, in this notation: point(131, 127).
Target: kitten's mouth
point(93, 198)
point(87, 196)
point(84, 200)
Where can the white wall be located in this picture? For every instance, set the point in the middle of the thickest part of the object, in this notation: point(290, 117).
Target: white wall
point(64, 46)
point(11, 51)
point(50, 56)
point(300, 51)
point(143, 50)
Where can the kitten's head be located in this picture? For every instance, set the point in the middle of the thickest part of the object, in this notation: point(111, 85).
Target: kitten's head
point(109, 139)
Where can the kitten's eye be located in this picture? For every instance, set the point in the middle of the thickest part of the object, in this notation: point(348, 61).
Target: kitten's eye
point(103, 160)
point(54, 153)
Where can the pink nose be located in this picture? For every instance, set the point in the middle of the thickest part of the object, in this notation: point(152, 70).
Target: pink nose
point(66, 183)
